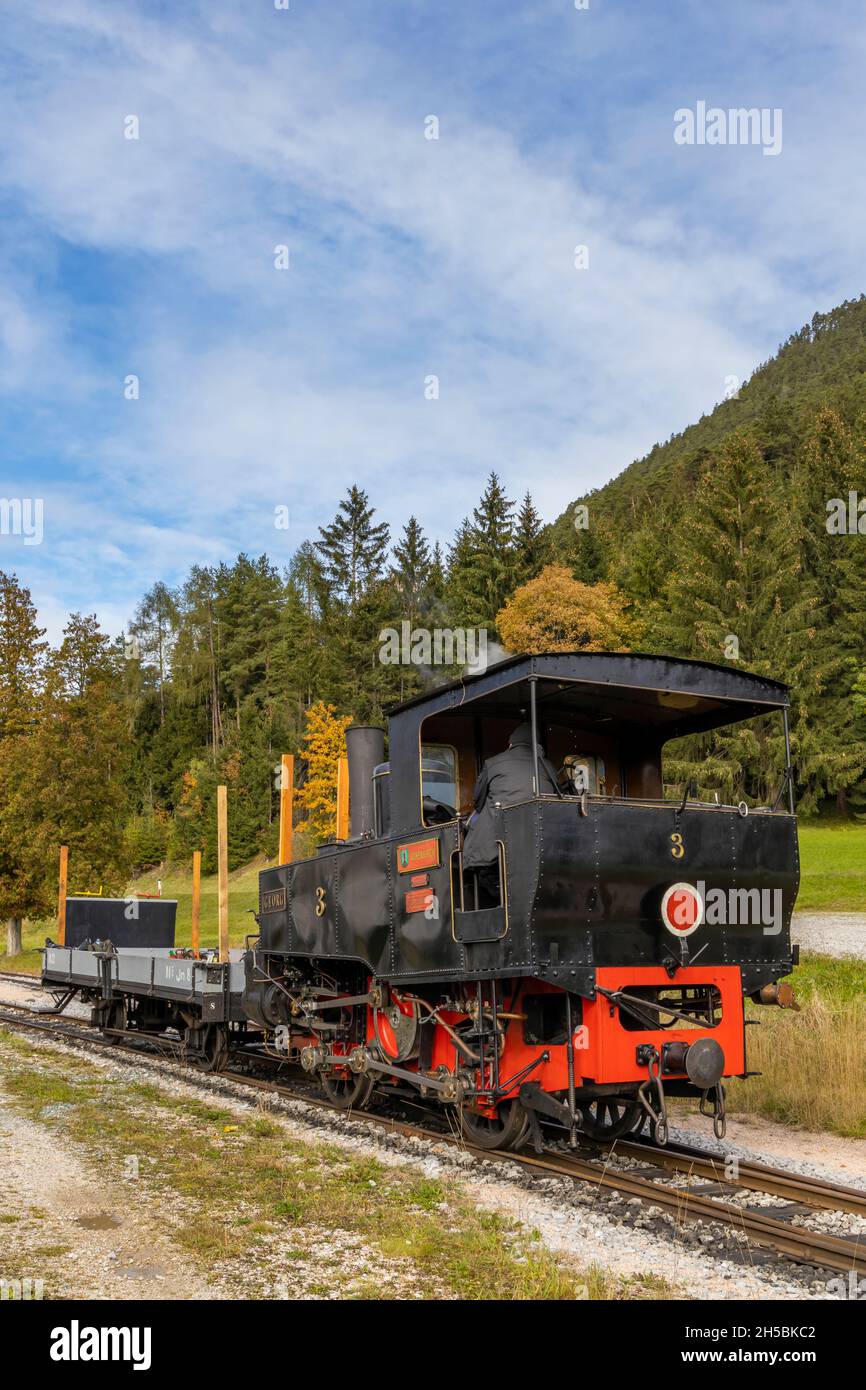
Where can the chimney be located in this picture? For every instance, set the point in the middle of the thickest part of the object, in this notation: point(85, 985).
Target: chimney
point(365, 749)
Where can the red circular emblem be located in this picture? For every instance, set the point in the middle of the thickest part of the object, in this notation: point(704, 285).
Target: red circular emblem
point(682, 909)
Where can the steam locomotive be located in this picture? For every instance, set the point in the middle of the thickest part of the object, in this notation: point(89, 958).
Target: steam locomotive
point(597, 965)
point(606, 967)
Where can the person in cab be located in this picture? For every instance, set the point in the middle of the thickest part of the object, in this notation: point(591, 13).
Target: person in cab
point(505, 780)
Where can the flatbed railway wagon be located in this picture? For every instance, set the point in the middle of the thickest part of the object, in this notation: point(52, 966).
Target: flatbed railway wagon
point(600, 964)
point(149, 990)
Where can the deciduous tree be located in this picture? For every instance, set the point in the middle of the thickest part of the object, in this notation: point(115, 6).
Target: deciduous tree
point(556, 613)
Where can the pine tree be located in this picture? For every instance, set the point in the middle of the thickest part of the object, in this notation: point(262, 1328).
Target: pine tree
point(250, 619)
point(353, 548)
point(437, 580)
point(737, 584)
point(857, 796)
point(530, 543)
point(197, 654)
point(411, 573)
point(153, 629)
point(834, 565)
point(481, 571)
point(644, 572)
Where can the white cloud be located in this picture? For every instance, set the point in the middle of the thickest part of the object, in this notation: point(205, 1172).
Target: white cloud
point(409, 257)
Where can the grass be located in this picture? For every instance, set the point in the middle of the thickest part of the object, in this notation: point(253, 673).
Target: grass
point(812, 1063)
point(833, 860)
point(254, 1206)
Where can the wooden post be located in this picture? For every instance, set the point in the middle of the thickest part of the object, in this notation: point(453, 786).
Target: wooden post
point(287, 792)
point(61, 896)
point(343, 799)
point(223, 871)
point(196, 901)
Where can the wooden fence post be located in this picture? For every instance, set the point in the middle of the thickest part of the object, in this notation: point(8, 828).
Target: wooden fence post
point(223, 872)
point(196, 902)
point(343, 799)
point(287, 793)
point(61, 896)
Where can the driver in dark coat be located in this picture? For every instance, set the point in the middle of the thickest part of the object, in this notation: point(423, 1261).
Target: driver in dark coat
point(505, 780)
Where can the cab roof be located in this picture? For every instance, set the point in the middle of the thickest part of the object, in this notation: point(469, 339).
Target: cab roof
point(675, 694)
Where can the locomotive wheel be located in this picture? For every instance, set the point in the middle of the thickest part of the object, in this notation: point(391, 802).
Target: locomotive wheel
point(506, 1130)
point(608, 1117)
point(349, 1092)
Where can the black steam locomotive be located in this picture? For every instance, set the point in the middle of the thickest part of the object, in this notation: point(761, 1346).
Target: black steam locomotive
point(602, 961)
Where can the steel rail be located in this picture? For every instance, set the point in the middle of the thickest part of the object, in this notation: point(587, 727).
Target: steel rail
point(768, 1232)
point(756, 1177)
point(814, 1247)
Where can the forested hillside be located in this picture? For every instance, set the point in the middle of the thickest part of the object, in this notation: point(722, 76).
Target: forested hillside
point(716, 546)
point(824, 363)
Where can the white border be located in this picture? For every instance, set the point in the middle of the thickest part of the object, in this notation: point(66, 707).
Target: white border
point(678, 888)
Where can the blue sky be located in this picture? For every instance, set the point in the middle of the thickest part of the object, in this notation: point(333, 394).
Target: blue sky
point(408, 257)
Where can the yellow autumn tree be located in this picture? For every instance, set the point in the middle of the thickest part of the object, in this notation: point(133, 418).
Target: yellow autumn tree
point(323, 747)
point(557, 613)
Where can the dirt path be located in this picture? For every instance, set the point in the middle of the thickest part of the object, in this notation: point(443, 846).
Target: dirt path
point(57, 1212)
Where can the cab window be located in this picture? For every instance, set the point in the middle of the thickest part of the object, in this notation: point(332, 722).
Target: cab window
point(439, 782)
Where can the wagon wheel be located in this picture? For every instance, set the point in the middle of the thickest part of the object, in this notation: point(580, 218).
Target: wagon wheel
point(349, 1092)
point(115, 1017)
point(212, 1053)
point(507, 1129)
point(610, 1117)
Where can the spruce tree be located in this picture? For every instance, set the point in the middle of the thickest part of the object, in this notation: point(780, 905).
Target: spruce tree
point(411, 572)
point(834, 565)
point(437, 579)
point(353, 548)
point(482, 565)
point(735, 593)
point(197, 655)
point(530, 543)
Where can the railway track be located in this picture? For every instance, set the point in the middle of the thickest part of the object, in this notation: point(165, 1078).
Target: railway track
point(600, 1169)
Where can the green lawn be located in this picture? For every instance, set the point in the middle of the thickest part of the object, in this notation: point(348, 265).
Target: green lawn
point(833, 860)
point(833, 863)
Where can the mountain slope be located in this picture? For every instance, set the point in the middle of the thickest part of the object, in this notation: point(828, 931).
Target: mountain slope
point(823, 363)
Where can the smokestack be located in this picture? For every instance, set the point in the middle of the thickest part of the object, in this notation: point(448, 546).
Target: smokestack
point(365, 749)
